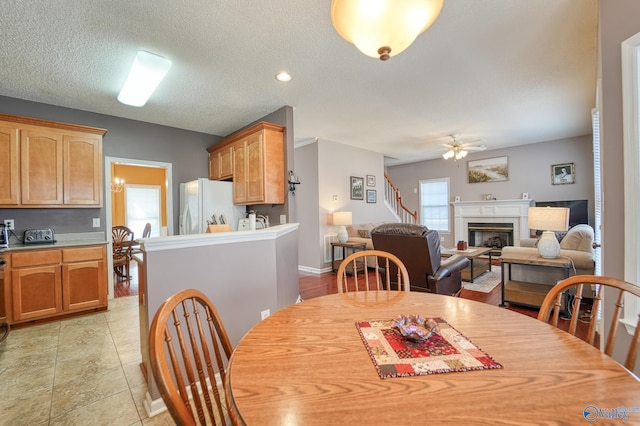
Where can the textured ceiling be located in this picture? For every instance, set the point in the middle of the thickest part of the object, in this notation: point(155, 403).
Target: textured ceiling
point(509, 72)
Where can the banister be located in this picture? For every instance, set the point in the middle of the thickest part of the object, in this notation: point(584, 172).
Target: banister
point(394, 198)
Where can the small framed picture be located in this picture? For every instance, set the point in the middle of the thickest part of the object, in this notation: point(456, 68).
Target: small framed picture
point(357, 188)
point(371, 180)
point(562, 174)
point(371, 195)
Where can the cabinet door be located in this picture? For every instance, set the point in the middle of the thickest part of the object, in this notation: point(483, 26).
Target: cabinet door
point(239, 173)
point(84, 285)
point(9, 165)
point(214, 165)
point(226, 163)
point(82, 170)
point(255, 168)
point(36, 292)
point(41, 167)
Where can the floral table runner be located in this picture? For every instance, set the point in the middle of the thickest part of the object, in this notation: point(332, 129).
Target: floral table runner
point(395, 356)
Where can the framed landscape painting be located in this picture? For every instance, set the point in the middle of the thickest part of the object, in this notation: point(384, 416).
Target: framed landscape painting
point(371, 196)
point(494, 169)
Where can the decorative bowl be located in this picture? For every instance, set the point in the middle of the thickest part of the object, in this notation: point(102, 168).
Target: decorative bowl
point(416, 328)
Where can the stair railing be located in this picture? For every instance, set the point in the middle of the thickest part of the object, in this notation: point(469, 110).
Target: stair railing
point(394, 200)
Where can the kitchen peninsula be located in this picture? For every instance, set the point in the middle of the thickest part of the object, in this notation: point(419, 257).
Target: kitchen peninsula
point(244, 273)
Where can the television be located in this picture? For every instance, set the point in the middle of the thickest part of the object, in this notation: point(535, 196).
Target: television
point(578, 210)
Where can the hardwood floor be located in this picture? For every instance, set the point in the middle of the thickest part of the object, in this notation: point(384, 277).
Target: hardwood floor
point(123, 287)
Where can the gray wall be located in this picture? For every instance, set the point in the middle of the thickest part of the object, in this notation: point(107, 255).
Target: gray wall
point(529, 171)
point(618, 21)
point(184, 149)
point(307, 204)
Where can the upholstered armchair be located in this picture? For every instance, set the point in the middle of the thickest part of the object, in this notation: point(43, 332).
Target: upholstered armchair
point(419, 249)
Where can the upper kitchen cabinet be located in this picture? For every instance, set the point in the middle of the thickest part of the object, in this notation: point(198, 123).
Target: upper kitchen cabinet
point(9, 164)
point(51, 164)
point(221, 163)
point(258, 164)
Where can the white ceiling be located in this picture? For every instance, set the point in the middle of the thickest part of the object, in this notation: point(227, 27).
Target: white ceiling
point(509, 72)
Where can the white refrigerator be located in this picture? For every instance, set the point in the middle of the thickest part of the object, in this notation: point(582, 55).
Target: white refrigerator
point(203, 198)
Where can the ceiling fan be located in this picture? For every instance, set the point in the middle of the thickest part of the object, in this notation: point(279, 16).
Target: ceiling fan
point(458, 150)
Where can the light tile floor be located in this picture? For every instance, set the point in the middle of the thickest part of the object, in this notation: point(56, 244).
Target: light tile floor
point(80, 371)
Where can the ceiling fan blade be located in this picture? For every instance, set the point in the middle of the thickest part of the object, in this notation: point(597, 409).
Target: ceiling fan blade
point(475, 148)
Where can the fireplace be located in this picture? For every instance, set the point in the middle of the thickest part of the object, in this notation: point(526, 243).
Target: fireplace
point(511, 214)
point(490, 234)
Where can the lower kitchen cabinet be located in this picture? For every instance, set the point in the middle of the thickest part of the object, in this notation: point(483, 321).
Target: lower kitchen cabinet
point(53, 282)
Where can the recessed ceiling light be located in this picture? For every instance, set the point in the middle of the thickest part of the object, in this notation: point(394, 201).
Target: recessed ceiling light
point(146, 73)
point(283, 76)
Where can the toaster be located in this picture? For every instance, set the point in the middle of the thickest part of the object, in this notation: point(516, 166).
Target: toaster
point(39, 236)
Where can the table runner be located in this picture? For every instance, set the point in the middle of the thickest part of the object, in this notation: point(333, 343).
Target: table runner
point(395, 356)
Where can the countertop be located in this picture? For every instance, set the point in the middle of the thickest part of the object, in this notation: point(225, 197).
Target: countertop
point(62, 241)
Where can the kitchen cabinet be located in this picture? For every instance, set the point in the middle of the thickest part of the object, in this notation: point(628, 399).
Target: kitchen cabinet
point(221, 163)
point(258, 164)
point(9, 164)
point(45, 283)
point(53, 164)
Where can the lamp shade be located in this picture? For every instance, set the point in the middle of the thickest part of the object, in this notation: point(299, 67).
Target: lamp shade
point(548, 218)
point(342, 218)
point(383, 28)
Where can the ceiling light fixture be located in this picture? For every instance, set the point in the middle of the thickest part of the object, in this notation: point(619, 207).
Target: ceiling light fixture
point(455, 152)
point(283, 76)
point(146, 73)
point(383, 28)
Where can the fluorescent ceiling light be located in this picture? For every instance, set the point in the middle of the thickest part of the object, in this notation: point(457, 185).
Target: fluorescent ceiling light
point(146, 73)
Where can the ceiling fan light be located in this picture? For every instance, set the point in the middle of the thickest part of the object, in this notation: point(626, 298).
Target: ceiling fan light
point(383, 28)
point(146, 73)
point(448, 154)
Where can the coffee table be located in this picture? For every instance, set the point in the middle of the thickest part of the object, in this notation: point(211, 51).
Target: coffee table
point(477, 265)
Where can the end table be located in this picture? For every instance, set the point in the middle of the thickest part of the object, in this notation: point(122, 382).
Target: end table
point(346, 246)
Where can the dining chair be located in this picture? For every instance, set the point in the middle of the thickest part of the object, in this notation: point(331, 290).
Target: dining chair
point(146, 232)
point(567, 297)
point(122, 240)
point(390, 274)
point(189, 349)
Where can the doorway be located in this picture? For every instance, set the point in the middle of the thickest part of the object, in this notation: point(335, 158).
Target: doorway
point(144, 165)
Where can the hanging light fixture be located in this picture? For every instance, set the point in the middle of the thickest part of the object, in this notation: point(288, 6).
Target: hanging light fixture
point(383, 28)
point(117, 185)
point(455, 152)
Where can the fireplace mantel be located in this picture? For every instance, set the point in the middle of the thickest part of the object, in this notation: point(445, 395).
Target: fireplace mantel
point(515, 212)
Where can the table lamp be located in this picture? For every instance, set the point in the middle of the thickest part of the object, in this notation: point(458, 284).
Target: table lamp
point(548, 220)
point(341, 219)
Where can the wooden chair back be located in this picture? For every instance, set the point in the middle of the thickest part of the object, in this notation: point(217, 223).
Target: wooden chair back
point(567, 295)
point(353, 274)
point(122, 240)
point(146, 232)
point(189, 350)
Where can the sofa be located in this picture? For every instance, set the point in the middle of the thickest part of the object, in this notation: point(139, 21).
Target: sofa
point(576, 244)
point(361, 233)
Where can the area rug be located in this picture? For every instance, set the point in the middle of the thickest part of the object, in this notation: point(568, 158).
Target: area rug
point(395, 356)
point(485, 282)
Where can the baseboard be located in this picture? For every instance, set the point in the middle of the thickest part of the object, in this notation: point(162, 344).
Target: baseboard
point(316, 271)
point(153, 407)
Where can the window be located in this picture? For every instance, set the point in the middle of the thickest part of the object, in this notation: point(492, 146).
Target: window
point(434, 204)
point(142, 205)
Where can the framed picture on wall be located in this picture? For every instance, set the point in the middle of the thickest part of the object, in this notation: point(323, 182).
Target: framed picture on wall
point(371, 195)
point(357, 188)
point(371, 180)
point(494, 169)
point(562, 174)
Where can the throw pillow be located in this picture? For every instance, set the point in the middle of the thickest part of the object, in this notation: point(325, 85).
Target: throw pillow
point(364, 233)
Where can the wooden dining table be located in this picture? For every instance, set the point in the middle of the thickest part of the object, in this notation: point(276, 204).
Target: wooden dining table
point(307, 364)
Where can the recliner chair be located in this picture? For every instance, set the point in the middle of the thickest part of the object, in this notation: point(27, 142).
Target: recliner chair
point(419, 249)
